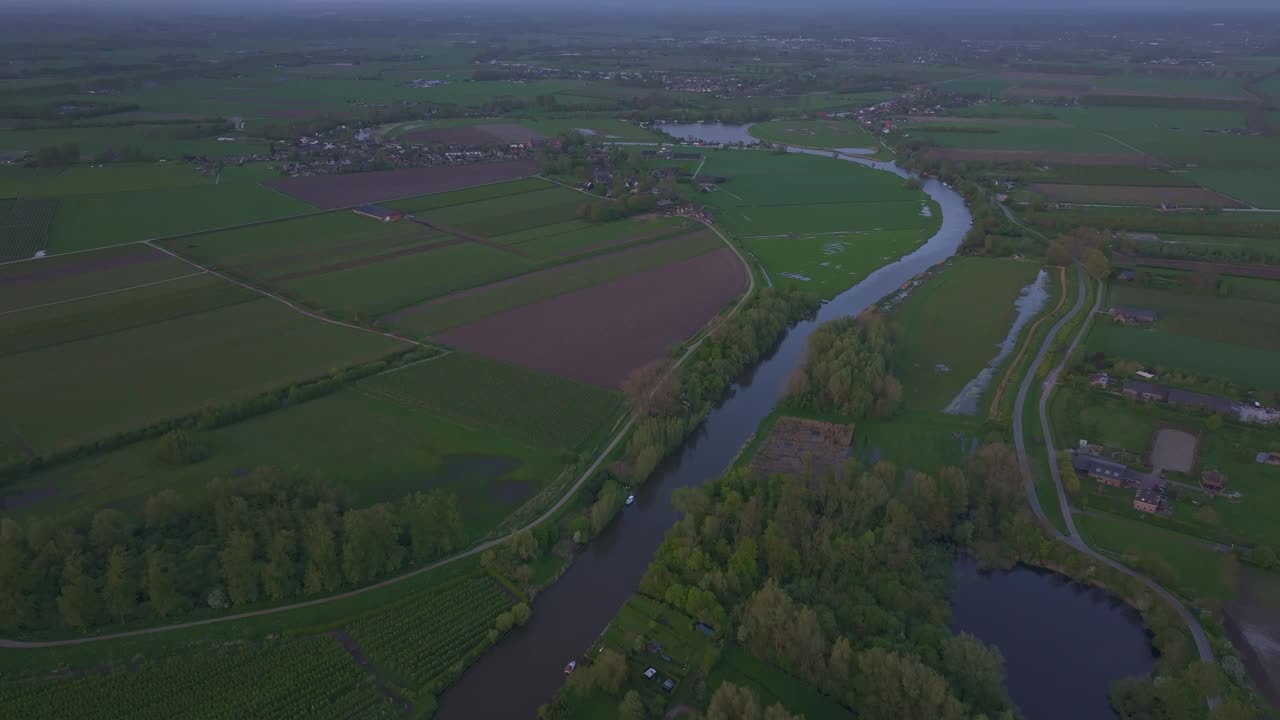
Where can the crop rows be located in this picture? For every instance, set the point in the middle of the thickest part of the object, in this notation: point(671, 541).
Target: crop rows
point(417, 641)
point(24, 226)
point(308, 678)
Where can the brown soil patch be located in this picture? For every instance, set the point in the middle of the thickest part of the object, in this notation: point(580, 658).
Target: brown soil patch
point(1269, 272)
point(799, 447)
point(1050, 157)
point(345, 190)
point(1146, 196)
point(1174, 449)
point(980, 121)
point(490, 134)
point(574, 266)
point(600, 334)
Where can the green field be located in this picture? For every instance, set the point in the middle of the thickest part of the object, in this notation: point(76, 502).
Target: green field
point(92, 221)
point(134, 358)
point(1235, 338)
point(537, 408)
point(1140, 118)
point(1259, 188)
point(956, 319)
point(117, 177)
point(61, 279)
point(158, 141)
point(814, 221)
point(1015, 137)
point(1199, 571)
point(816, 133)
point(24, 226)
point(379, 448)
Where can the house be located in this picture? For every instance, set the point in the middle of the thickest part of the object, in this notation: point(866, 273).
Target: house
point(377, 212)
point(1147, 500)
point(1104, 471)
point(1132, 315)
point(664, 204)
point(1145, 391)
point(1213, 481)
point(1101, 380)
point(1269, 458)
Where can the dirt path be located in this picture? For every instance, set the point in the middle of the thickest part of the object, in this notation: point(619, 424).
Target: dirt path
point(353, 649)
point(470, 552)
point(1031, 333)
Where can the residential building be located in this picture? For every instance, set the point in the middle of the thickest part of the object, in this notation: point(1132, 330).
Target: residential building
point(1147, 500)
point(1104, 471)
point(1213, 481)
point(1132, 315)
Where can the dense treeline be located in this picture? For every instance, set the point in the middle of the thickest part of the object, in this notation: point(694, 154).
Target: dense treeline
point(846, 369)
point(265, 536)
point(1201, 252)
point(841, 580)
point(672, 404)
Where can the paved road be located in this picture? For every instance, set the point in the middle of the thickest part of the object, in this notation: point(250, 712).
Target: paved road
point(473, 550)
point(1203, 647)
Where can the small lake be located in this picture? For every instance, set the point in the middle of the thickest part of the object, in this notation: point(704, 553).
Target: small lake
point(1029, 303)
point(1064, 643)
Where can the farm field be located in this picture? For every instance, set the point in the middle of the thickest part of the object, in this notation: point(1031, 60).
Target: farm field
point(274, 678)
point(346, 190)
point(816, 133)
point(117, 177)
point(1107, 119)
point(470, 305)
point(1019, 137)
point(1202, 572)
point(62, 279)
point(829, 264)
point(600, 334)
point(378, 447)
point(84, 222)
point(1134, 195)
point(158, 141)
point(956, 320)
point(1259, 188)
point(191, 343)
point(1232, 338)
point(24, 226)
point(539, 409)
point(1115, 158)
point(767, 195)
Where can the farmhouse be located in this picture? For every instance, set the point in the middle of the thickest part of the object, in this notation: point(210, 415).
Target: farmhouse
point(377, 212)
point(1104, 471)
point(1147, 500)
point(1151, 392)
point(1145, 391)
point(1213, 481)
point(1132, 315)
point(1269, 458)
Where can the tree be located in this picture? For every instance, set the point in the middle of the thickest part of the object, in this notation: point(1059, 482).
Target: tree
point(838, 665)
point(159, 585)
point(178, 447)
point(280, 572)
point(120, 589)
point(976, 672)
point(435, 525)
point(320, 549)
point(998, 465)
point(504, 621)
point(108, 529)
point(903, 688)
point(370, 543)
point(78, 601)
point(238, 568)
point(609, 671)
point(631, 707)
point(730, 702)
point(521, 613)
point(1097, 264)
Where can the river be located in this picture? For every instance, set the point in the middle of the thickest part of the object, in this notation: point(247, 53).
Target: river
point(523, 670)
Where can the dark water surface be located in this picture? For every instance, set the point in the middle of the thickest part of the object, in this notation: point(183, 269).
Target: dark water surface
point(1063, 643)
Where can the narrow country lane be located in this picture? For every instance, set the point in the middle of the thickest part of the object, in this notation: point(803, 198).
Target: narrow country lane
point(1203, 647)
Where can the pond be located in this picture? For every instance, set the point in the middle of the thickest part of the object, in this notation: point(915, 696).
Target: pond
point(1064, 643)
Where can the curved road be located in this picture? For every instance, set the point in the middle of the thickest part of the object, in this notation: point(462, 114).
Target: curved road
point(1203, 647)
point(469, 552)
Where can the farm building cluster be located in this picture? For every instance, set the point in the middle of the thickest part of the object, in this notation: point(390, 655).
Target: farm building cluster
point(1150, 392)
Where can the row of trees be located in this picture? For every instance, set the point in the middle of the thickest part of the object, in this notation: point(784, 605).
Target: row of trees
point(266, 536)
point(846, 369)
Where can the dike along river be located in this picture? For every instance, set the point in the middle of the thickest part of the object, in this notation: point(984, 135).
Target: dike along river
point(524, 670)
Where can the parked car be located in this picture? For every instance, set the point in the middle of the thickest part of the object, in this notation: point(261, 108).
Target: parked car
point(631, 499)
point(668, 685)
point(650, 673)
